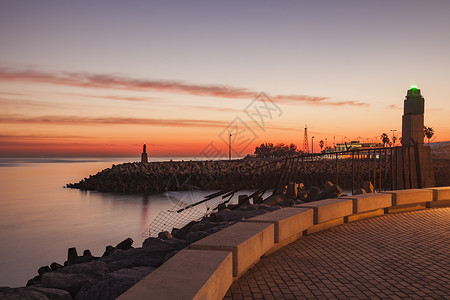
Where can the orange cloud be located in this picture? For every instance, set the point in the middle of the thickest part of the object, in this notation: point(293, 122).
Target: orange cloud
point(107, 81)
point(301, 99)
point(76, 120)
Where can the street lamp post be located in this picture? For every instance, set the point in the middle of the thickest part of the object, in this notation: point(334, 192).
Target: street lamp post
point(229, 146)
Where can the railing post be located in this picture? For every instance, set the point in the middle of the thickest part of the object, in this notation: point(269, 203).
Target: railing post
point(337, 170)
point(353, 172)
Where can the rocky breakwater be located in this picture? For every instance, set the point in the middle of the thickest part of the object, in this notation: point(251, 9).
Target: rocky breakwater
point(170, 176)
point(88, 277)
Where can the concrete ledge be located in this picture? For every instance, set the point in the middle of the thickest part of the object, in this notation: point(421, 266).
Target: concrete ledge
point(323, 226)
point(288, 221)
point(412, 196)
point(285, 242)
point(247, 241)
point(369, 202)
point(329, 209)
point(404, 208)
point(188, 275)
point(437, 204)
point(440, 193)
point(364, 215)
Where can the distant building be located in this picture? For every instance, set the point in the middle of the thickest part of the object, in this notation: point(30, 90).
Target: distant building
point(357, 145)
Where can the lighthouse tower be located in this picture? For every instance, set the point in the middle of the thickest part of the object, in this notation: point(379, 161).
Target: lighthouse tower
point(413, 112)
point(144, 158)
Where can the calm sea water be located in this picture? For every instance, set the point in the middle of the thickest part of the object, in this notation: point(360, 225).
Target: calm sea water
point(39, 219)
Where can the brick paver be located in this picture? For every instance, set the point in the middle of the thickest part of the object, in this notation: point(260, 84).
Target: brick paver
point(397, 256)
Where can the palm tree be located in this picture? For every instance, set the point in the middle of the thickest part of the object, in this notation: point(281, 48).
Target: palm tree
point(321, 145)
point(428, 132)
point(385, 139)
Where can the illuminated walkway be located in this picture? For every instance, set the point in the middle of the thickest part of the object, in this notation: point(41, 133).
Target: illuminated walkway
point(397, 256)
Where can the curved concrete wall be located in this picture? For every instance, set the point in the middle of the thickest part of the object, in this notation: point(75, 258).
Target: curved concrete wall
point(208, 268)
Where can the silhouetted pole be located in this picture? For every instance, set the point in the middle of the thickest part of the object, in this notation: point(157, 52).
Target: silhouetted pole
point(312, 144)
point(229, 147)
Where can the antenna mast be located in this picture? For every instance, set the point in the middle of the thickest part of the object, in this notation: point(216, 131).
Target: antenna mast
point(305, 141)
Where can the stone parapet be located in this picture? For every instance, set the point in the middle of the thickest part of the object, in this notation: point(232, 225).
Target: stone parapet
point(190, 274)
point(412, 196)
point(368, 202)
point(329, 209)
point(247, 241)
point(288, 221)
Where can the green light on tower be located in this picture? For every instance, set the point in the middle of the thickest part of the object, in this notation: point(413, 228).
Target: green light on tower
point(414, 87)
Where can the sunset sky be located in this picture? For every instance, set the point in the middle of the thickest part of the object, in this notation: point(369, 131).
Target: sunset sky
point(94, 78)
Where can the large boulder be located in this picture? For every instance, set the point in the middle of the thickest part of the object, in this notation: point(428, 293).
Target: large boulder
point(52, 294)
point(359, 192)
point(125, 244)
point(158, 245)
point(368, 187)
point(238, 215)
point(72, 278)
point(21, 294)
point(333, 191)
point(313, 194)
point(113, 285)
point(273, 200)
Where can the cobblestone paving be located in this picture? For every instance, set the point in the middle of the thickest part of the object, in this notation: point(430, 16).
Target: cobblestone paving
point(397, 256)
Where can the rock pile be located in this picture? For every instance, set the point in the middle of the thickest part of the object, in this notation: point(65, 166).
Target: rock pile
point(157, 177)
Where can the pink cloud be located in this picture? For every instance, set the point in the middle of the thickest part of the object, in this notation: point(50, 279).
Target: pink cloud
point(108, 81)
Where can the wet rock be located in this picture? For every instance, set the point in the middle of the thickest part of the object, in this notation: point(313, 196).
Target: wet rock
point(35, 280)
point(243, 200)
point(313, 194)
point(292, 189)
point(273, 200)
point(21, 294)
point(55, 266)
point(257, 199)
point(72, 257)
point(195, 236)
point(205, 225)
point(114, 284)
point(179, 233)
point(327, 185)
point(333, 191)
point(53, 294)
point(125, 244)
point(72, 278)
point(368, 187)
point(165, 235)
point(303, 195)
point(135, 257)
point(271, 208)
point(359, 192)
point(221, 206)
point(108, 250)
point(238, 215)
point(287, 202)
point(159, 245)
point(43, 270)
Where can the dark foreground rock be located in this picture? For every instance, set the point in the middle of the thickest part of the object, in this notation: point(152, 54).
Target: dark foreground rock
point(33, 293)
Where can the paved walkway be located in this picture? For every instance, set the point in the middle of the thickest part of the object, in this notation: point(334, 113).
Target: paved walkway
point(397, 256)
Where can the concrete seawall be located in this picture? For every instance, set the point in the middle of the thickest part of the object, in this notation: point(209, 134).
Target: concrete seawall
point(227, 254)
